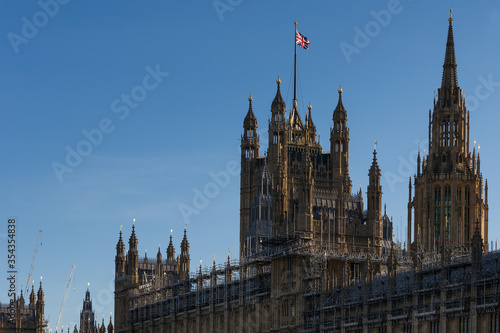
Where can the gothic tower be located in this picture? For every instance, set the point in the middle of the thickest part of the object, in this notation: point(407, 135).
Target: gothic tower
point(249, 156)
point(278, 163)
point(87, 315)
point(184, 258)
point(339, 147)
point(374, 197)
point(40, 309)
point(132, 266)
point(448, 196)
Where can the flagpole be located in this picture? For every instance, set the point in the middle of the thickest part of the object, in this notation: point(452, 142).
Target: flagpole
point(295, 64)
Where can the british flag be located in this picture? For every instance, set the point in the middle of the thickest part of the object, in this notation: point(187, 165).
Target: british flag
point(301, 40)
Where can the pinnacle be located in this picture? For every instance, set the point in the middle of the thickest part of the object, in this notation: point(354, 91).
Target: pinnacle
point(278, 102)
point(340, 107)
point(450, 79)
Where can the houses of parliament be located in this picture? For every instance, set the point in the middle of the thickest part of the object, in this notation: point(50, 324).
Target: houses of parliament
point(316, 257)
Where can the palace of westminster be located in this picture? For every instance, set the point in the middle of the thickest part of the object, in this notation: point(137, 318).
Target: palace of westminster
point(314, 258)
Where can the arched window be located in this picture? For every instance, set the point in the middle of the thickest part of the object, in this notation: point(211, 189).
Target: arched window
point(447, 210)
point(459, 217)
point(437, 215)
point(467, 214)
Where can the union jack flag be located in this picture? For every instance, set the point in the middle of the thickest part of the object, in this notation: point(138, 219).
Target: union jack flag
point(301, 40)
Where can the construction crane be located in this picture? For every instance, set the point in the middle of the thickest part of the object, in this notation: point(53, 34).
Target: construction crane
point(33, 263)
point(65, 295)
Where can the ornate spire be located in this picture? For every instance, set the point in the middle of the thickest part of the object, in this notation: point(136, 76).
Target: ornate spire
point(40, 292)
point(132, 242)
point(340, 110)
point(184, 239)
point(32, 294)
point(158, 255)
point(170, 249)
point(87, 293)
point(450, 79)
point(374, 169)
point(120, 247)
point(250, 119)
point(309, 121)
point(278, 102)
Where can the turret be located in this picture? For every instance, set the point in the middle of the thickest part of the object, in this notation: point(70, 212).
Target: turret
point(250, 139)
point(110, 326)
point(374, 197)
point(133, 259)
point(32, 304)
point(339, 146)
point(213, 275)
point(184, 259)
point(277, 127)
point(40, 308)
point(170, 250)
point(87, 318)
point(311, 128)
point(120, 257)
point(159, 268)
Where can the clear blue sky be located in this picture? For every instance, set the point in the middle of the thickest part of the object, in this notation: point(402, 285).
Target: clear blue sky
point(74, 72)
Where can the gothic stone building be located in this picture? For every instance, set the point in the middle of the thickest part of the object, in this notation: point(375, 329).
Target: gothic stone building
point(88, 322)
point(449, 184)
point(17, 317)
point(311, 257)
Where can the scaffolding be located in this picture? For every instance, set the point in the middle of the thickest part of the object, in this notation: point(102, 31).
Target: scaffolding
point(342, 288)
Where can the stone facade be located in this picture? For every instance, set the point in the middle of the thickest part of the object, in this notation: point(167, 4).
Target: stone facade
point(449, 197)
point(312, 259)
point(17, 317)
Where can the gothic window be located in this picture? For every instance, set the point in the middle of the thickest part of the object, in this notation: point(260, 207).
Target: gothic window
point(447, 210)
point(443, 134)
point(337, 146)
point(448, 130)
point(437, 214)
point(455, 133)
point(459, 217)
point(467, 214)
